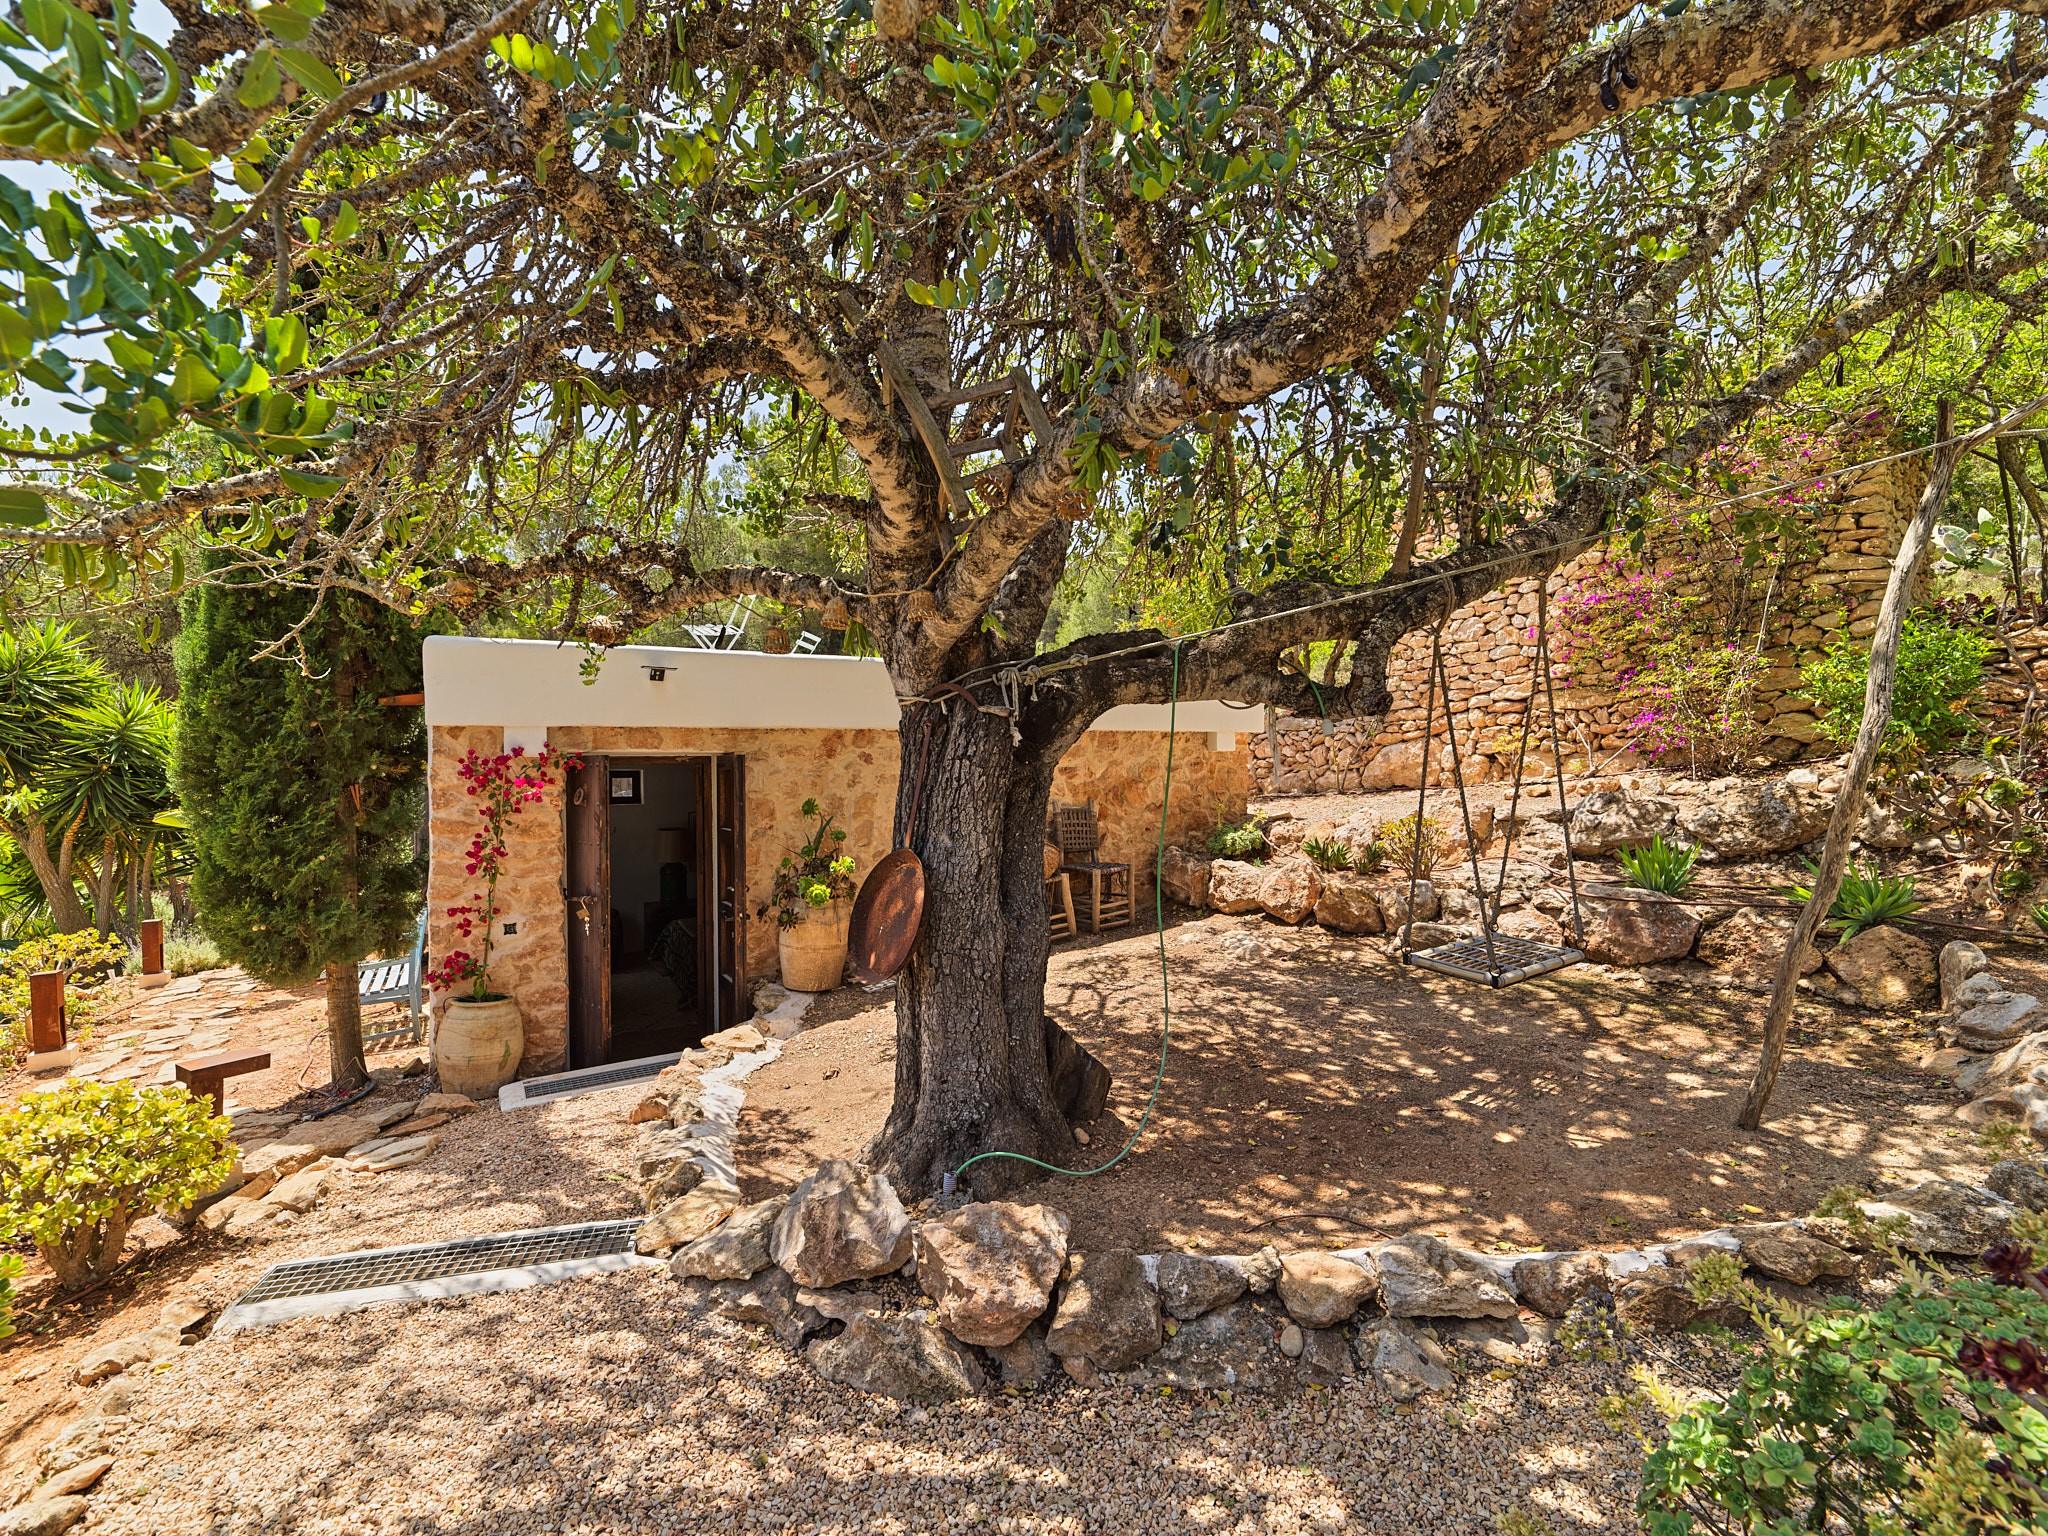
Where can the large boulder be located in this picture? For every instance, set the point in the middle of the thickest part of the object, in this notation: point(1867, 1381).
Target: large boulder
point(1658, 1297)
point(1190, 1285)
point(1783, 1250)
point(1888, 967)
point(1234, 885)
point(1228, 1349)
point(2024, 1184)
point(1392, 896)
point(990, 1267)
point(1751, 943)
point(1619, 818)
point(1423, 1276)
point(1405, 1360)
point(687, 1219)
point(736, 1249)
point(1997, 1021)
point(1939, 1216)
point(1551, 1282)
point(897, 1357)
point(1748, 820)
point(1321, 1290)
point(2024, 1061)
point(1625, 926)
point(841, 1224)
point(1184, 876)
point(43, 1517)
point(1960, 960)
point(1347, 904)
point(1108, 1318)
point(769, 1299)
point(1289, 890)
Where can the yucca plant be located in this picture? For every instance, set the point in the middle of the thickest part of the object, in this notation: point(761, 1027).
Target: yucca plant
point(1329, 854)
point(1659, 866)
point(1866, 899)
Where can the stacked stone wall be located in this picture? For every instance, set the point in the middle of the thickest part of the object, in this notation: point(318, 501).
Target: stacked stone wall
point(852, 772)
point(1793, 606)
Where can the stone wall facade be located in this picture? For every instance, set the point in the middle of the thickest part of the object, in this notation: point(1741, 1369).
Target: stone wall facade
point(852, 772)
point(1797, 605)
point(1122, 772)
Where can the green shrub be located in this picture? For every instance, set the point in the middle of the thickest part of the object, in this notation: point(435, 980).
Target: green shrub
point(1402, 838)
point(80, 1163)
point(1659, 866)
point(10, 1271)
point(1921, 1413)
point(1239, 840)
point(1866, 899)
point(89, 958)
point(1940, 666)
point(188, 954)
point(1329, 854)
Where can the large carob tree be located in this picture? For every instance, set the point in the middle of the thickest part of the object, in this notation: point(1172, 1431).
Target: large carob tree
point(1466, 278)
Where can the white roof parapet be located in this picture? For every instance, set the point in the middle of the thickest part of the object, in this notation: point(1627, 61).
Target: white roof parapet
point(540, 683)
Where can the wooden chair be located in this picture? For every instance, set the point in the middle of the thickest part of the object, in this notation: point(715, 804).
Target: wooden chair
point(1102, 891)
point(1059, 897)
point(396, 981)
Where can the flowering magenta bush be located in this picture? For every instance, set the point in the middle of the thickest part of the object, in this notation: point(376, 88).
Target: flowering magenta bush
point(1688, 693)
point(503, 786)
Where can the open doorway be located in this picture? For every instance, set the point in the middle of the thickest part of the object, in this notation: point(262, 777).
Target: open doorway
point(653, 885)
point(657, 879)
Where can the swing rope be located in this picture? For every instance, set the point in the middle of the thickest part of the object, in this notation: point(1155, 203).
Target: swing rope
point(1459, 957)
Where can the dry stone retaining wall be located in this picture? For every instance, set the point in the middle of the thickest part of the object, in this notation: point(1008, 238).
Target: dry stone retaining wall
point(1490, 652)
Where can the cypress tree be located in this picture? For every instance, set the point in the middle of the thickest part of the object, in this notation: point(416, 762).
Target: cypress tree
point(304, 794)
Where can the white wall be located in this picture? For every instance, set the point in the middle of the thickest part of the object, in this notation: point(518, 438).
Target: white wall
point(533, 684)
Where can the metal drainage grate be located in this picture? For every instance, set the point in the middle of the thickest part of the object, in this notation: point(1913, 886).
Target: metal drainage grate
point(533, 1090)
point(422, 1271)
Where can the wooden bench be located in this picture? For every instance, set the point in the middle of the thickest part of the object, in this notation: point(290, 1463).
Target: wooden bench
point(204, 1075)
point(396, 981)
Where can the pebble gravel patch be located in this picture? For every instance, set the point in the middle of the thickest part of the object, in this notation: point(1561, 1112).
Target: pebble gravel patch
point(616, 1404)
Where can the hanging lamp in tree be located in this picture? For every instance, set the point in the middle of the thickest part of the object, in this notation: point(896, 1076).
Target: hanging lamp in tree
point(304, 794)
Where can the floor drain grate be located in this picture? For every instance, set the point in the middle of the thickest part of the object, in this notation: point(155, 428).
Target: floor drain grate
point(536, 1090)
point(423, 1271)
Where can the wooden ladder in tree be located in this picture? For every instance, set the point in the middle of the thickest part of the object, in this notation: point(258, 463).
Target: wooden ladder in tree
point(1023, 409)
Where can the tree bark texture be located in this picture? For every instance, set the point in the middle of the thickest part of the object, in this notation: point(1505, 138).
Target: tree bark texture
point(970, 1030)
point(344, 1026)
point(1848, 812)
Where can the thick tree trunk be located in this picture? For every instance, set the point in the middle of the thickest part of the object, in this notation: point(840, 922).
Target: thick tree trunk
point(344, 1027)
point(67, 912)
point(970, 1006)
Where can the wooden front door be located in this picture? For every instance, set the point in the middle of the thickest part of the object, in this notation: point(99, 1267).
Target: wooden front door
point(587, 884)
point(722, 892)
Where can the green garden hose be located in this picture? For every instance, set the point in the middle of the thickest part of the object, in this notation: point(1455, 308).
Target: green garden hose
point(1165, 1000)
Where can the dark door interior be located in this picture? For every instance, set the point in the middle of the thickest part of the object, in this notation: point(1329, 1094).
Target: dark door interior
point(722, 809)
point(657, 904)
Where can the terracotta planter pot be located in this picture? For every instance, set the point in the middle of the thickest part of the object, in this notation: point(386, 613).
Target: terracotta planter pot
point(814, 951)
point(477, 1046)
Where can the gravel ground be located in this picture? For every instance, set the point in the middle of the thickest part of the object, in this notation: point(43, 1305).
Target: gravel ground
point(614, 1405)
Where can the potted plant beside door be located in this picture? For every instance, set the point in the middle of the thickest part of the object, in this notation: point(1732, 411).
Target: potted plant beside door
point(481, 1035)
point(813, 897)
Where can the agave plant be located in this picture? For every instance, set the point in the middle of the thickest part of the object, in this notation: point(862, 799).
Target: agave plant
point(1866, 899)
point(1329, 854)
point(1659, 866)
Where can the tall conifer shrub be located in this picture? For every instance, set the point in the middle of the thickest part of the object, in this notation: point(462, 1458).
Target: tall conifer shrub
point(304, 794)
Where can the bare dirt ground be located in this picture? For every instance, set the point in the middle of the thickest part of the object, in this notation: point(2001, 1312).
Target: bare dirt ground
point(1323, 1092)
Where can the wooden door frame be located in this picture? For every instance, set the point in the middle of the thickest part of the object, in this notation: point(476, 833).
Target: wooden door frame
point(588, 913)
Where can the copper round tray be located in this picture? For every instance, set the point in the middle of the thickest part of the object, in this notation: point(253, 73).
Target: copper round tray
point(886, 916)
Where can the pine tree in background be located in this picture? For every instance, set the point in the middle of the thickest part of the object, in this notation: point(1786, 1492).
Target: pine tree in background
point(304, 794)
